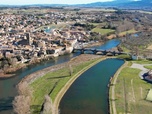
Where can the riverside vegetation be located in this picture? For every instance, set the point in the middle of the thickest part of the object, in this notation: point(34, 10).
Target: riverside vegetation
point(49, 84)
point(131, 91)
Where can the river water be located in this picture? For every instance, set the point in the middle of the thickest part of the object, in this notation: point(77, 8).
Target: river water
point(89, 93)
point(8, 86)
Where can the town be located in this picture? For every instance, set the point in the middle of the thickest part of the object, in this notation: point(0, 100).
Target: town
point(29, 35)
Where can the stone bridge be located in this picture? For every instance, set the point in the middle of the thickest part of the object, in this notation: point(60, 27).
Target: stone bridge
point(96, 51)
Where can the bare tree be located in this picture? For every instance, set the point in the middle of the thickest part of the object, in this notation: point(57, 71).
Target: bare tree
point(48, 107)
point(21, 103)
point(24, 89)
point(70, 69)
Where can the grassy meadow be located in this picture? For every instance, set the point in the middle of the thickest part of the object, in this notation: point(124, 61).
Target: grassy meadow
point(127, 32)
point(131, 91)
point(102, 31)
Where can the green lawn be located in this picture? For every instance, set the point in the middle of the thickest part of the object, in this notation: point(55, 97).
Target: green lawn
point(148, 67)
point(143, 62)
point(129, 32)
point(135, 89)
point(52, 83)
point(95, 24)
point(102, 31)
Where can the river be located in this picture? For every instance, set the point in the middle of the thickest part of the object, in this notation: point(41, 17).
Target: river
point(89, 93)
point(8, 86)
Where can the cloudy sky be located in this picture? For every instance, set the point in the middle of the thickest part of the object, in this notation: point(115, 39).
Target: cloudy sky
point(25, 2)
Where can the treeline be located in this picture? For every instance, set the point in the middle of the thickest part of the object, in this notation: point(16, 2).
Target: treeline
point(86, 26)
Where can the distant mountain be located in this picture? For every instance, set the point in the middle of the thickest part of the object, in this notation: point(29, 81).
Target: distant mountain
point(121, 4)
point(132, 4)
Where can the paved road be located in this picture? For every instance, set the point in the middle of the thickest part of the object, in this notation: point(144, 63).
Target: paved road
point(141, 67)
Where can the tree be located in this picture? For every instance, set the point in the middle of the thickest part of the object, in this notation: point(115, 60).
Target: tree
point(21, 103)
point(48, 107)
point(70, 69)
point(23, 89)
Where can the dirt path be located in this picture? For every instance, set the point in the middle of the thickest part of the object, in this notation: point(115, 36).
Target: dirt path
point(138, 66)
point(114, 111)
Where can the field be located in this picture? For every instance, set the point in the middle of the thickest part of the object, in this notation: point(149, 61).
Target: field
point(127, 32)
point(95, 24)
point(97, 9)
point(131, 92)
point(102, 31)
point(52, 83)
point(143, 62)
point(148, 67)
point(147, 12)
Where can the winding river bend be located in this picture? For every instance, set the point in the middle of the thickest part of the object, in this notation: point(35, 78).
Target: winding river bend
point(89, 93)
point(8, 86)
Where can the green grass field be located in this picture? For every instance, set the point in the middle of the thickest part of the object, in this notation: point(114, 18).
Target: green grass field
point(131, 92)
point(95, 24)
point(52, 83)
point(143, 62)
point(127, 32)
point(102, 31)
point(148, 67)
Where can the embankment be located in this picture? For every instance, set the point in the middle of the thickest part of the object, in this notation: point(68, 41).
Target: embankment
point(74, 62)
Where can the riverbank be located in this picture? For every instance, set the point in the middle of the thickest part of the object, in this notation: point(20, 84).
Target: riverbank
point(57, 76)
point(128, 91)
point(97, 43)
point(70, 82)
point(3, 75)
point(10, 71)
point(112, 84)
